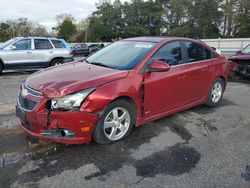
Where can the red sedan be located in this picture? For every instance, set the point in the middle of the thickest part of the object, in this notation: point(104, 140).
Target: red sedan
point(128, 83)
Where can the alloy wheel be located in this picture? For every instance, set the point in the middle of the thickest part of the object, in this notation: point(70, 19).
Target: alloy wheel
point(116, 123)
point(216, 92)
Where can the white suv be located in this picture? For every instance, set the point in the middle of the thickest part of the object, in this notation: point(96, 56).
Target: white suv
point(34, 52)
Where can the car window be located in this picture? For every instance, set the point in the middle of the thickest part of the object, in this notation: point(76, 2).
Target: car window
point(58, 44)
point(195, 52)
point(209, 54)
point(8, 42)
point(42, 44)
point(23, 44)
point(83, 46)
point(77, 46)
point(170, 53)
point(246, 50)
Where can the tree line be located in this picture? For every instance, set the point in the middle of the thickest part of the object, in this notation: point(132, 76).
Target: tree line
point(20, 27)
point(186, 18)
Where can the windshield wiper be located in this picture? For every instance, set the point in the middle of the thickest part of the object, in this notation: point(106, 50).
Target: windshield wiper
point(86, 61)
point(101, 64)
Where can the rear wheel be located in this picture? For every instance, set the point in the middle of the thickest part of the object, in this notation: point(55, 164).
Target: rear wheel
point(56, 62)
point(115, 123)
point(216, 92)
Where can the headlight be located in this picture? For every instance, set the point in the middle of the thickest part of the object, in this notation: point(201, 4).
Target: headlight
point(70, 102)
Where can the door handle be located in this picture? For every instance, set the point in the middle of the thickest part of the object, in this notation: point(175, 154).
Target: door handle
point(29, 52)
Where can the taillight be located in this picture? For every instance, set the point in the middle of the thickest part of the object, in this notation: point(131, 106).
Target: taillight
point(71, 53)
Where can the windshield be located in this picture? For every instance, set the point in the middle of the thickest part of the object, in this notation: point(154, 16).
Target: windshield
point(122, 55)
point(246, 50)
point(8, 42)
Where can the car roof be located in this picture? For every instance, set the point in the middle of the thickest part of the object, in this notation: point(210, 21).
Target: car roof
point(159, 39)
point(40, 37)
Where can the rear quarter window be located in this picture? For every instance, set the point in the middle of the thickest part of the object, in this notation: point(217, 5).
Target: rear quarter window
point(58, 44)
point(210, 54)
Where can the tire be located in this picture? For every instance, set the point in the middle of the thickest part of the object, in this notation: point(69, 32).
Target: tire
point(216, 93)
point(109, 129)
point(56, 62)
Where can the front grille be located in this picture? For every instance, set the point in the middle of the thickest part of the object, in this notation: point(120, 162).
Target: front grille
point(26, 104)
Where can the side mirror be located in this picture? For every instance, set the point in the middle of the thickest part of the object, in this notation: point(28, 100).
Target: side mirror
point(158, 66)
point(12, 47)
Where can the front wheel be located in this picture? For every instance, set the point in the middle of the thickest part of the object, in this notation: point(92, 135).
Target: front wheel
point(216, 92)
point(115, 123)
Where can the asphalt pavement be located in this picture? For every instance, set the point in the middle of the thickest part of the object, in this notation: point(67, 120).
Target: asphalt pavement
point(200, 147)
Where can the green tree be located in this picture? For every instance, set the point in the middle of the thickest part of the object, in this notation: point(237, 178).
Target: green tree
point(107, 23)
point(5, 33)
point(117, 20)
point(205, 18)
point(40, 31)
point(66, 29)
point(143, 18)
point(242, 19)
point(228, 8)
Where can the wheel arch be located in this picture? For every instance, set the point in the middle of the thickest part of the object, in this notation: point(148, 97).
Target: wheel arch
point(128, 99)
point(97, 131)
point(224, 81)
point(55, 58)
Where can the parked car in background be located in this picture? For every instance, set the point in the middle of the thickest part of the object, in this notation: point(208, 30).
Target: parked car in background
point(240, 63)
point(95, 47)
point(34, 52)
point(82, 49)
point(128, 83)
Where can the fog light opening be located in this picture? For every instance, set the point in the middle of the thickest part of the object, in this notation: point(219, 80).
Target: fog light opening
point(58, 133)
point(66, 133)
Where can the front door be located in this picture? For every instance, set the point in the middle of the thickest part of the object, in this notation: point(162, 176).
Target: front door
point(19, 55)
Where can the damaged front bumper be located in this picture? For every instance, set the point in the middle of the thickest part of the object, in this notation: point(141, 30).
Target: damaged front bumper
point(70, 127)
point(241, 68)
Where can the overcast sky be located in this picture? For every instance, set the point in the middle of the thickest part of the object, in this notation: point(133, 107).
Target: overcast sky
point(45, 11)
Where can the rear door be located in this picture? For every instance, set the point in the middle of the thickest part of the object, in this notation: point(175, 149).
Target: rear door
point(42, 53)
point(200, 67)
point(19, 55)
point(165, 91)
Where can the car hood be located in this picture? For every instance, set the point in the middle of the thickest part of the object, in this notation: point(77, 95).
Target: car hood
point(71, 77)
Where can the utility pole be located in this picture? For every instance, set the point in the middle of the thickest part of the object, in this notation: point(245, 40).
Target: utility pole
point(86, 30)
point(13, 31)
point(86, 33)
